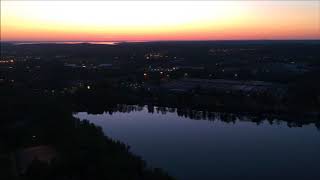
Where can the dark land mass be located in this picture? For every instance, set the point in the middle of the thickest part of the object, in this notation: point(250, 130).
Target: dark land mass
point(40, 139)
point(41, 85)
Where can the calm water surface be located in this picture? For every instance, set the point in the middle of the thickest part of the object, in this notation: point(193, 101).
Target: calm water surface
point(203, 149)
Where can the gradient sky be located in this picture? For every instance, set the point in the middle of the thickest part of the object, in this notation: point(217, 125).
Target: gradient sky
point(158, 20)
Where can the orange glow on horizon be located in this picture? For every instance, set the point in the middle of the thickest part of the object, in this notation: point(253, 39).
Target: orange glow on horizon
point(158, 20)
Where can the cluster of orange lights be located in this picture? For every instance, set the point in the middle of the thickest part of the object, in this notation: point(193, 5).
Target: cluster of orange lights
point(6, 61)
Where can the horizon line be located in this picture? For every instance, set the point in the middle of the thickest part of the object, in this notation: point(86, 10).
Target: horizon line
point(132, 41)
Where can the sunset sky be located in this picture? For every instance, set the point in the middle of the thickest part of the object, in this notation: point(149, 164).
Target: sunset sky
point(158, 20)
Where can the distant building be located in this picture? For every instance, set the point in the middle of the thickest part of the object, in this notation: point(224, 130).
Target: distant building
point(105, 66)
point(71, 65)
point(225, 86)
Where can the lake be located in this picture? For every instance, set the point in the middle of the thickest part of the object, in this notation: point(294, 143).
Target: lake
point(214, 145)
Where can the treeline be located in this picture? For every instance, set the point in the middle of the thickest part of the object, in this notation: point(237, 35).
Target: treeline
point(301, 99)
point(292, 120)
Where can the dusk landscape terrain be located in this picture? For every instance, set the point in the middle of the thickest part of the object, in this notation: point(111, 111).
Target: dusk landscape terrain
point(153, 90)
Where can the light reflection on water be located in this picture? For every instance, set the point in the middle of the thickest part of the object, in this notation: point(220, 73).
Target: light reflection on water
point(70, 42)
point(215, 149)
